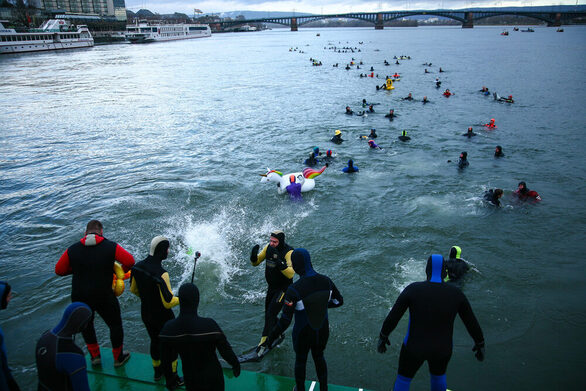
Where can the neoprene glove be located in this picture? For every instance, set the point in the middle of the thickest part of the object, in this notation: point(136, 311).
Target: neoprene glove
point(281, 264)
point(382, 343)
point(254, 254)
point(479, 349)
point(236, 370)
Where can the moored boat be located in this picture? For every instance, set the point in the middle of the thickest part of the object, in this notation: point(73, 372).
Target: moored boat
point(54, 34)
point(144, 32)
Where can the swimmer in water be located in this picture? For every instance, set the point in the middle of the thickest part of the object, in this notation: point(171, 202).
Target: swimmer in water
point(463, 161)
point(404, 137)
point(372, 134)
point(349, 110)
point(498, 151)
point(425, 100)
point(350, 168)
point(493, 196)
point(373, 145)
point(491, 124)
point(311, 160)
point(337, 139)
point(408, 97)
point(294, 189)
point(456, 266)
point(524, 194)
point(391, 114)
point(469, 133)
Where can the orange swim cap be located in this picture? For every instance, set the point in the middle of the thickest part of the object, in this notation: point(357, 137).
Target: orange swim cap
point(292, 178)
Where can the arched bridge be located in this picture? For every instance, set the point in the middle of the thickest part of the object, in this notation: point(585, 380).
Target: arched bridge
point(466, 17)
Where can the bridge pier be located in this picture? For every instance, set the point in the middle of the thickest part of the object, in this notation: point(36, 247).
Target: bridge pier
point(294, 24)
point(379, 23)
point(469, 20)
point(557, 20)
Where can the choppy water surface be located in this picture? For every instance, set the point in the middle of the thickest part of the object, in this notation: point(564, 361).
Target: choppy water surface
point(170, 138)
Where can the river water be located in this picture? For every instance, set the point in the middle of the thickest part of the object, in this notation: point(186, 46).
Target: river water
point(170, 138)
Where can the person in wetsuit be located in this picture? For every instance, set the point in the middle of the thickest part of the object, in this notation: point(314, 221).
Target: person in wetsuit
point(279, 275)
point(150, 281)
point(463, 161)
point(349, 110)
point(470, 133)
point(408, 97)
point(61, 364)
point(438, 83)
point(337, 139)
point(7, 381)
point(425, 100)
point(391, 114)
point(195, 339)
point(492, 196)
point(456, 267)
point(329, 156)
point(404, 137)
point(91, 261)
point(373, 145)
point(498, 151)
point(350, 168)
point(311, 160)
point(372, 134)
point(523, 193)
point(294, 189)
point(432, 306)
point(309, 299)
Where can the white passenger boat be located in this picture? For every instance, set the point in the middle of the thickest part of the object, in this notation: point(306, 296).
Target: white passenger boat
point(143, 32)
point(54, 34)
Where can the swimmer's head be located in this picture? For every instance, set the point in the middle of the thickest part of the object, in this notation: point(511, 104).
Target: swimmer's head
point(329, 153)
point(292, 178)
point(338, 133)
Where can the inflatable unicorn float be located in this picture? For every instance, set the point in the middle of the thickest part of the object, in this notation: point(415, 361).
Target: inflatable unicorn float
point(305, 178)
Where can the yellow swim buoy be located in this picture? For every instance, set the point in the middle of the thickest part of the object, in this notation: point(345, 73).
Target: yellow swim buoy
point(118, 279)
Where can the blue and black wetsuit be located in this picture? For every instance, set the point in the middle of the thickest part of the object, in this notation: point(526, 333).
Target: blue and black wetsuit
point(350, 168)
point(196, 339)
point(7, 381)
point(61, 363)
point(432, 306)
point(151, 283)
point(309, 298)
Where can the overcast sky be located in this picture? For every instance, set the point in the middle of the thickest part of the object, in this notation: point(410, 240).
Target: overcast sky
point(323, 6)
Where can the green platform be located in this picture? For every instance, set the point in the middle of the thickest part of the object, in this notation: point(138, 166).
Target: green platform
point(137, 375)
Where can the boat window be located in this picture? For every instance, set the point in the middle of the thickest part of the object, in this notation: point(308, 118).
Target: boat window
point(193, 28)
point(154, 29)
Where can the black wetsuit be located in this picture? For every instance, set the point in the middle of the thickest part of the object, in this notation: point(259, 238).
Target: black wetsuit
point(277, 272)
point(149, 281)
point(492, 197)
point(456, 268)
point(61, 364)
point(469, 134)
point(337, 139)
point(7, 381)
point(309, 298)
point(91, 261)
point(463, 162)
point(432, 306)
point(196, 339)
